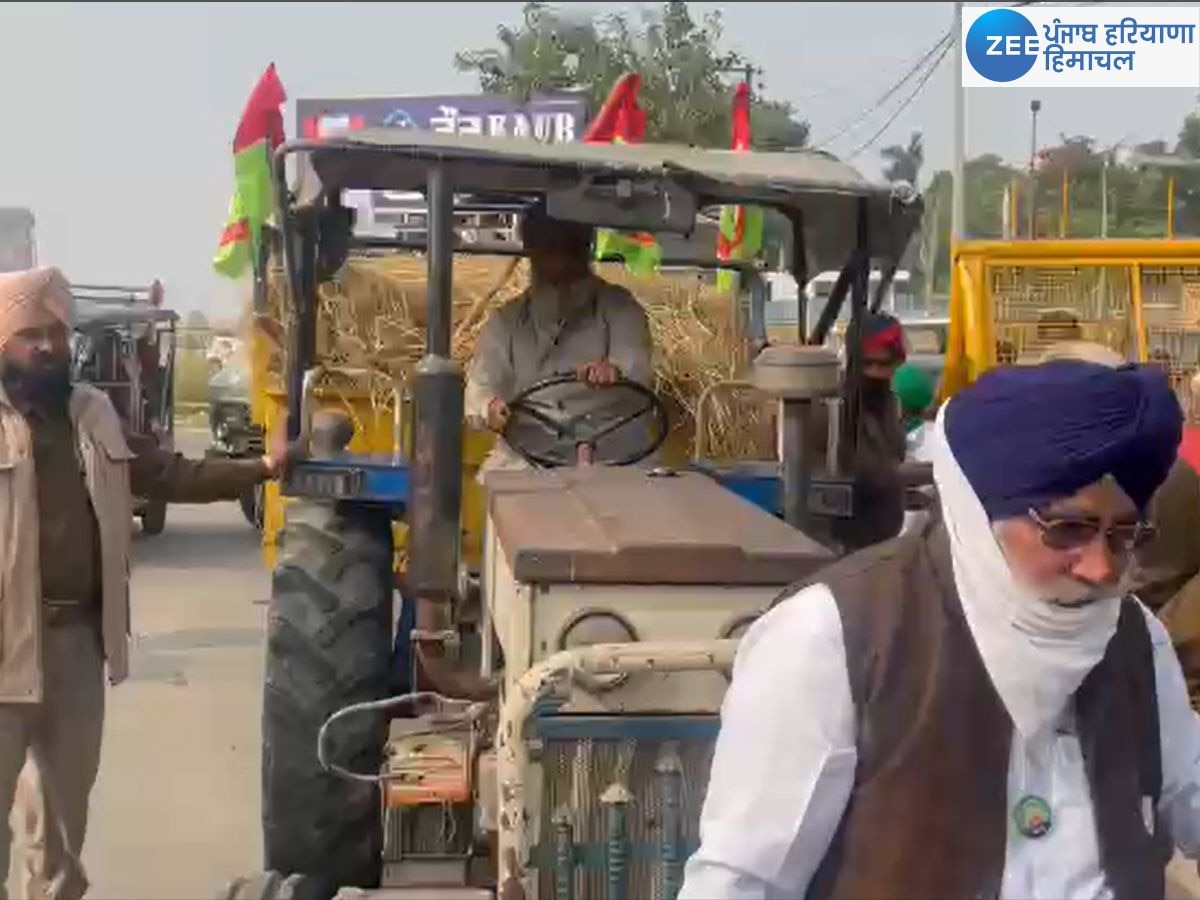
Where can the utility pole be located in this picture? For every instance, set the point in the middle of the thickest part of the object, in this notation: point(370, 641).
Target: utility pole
point(958, 189)
point(1035, 106)
point(1104, 195)
point(748, 72)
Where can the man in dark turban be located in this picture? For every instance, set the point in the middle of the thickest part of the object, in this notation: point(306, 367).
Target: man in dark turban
point(882, 445)
point(978, 708)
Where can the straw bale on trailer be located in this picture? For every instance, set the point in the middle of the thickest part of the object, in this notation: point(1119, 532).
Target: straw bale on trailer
point(371, 323)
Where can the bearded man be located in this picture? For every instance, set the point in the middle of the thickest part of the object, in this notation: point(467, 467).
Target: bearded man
point(978, 708)
point(568, 321)
point(67, 476)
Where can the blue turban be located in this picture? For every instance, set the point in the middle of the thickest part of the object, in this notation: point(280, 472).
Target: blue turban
point(1025, 436)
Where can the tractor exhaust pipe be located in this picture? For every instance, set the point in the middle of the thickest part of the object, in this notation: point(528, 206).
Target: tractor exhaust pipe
point(435, 505)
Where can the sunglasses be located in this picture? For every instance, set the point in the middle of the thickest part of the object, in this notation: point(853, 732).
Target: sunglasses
point(1068, 533)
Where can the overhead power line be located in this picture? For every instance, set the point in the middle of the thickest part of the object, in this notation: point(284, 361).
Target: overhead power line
point(939, 46)
point(916, 67)
point(904, 105)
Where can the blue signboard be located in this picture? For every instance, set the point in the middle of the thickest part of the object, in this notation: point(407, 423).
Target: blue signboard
point(558, 118)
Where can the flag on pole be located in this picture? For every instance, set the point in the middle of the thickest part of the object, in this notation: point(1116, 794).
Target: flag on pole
point(259, 132)
point(741, 231)
point(619, 121)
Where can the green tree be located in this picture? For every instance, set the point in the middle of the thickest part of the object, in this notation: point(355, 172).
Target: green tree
point(685, 72)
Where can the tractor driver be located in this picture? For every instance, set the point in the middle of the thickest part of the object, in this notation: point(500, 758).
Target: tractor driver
point(568, 321)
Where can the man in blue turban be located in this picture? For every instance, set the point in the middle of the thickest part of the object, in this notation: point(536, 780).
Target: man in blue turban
point(978, 708)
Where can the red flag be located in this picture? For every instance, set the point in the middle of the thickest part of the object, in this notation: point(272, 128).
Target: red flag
point(622, 121)
point(620, 118)
point(741, 117)
point(262, 118)
point(259, 132)
point(740, 235)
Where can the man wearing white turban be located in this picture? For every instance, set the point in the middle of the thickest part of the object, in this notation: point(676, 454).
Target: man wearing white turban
point(66, 477)
point(978, 708)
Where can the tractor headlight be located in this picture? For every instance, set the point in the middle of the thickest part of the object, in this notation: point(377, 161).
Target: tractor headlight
point(597, 626)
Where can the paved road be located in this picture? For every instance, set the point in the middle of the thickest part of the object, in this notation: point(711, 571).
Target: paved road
point(176, 808)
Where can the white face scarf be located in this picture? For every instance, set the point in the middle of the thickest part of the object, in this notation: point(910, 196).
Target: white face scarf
point(1037, 653)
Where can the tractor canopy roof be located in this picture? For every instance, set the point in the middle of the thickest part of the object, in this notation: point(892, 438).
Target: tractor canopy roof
point(106, 306)
point(673, 180)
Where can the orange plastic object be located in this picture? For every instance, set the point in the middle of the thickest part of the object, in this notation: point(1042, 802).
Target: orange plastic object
point(428, 769)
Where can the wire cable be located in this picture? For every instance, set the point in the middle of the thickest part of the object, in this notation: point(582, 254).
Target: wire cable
point(459, 714)
point(851, 125)
point(939, 45)
point(903, 106)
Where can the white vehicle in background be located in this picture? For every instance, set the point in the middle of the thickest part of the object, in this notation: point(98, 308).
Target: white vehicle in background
point(782, 306)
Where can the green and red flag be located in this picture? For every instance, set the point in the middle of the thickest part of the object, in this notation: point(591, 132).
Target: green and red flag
point(259, 132)
point(741, 231)
point(621, 121)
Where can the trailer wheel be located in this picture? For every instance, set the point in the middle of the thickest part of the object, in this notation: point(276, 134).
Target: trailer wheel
point(328, 646)
point(272, 886)
point(154, 517)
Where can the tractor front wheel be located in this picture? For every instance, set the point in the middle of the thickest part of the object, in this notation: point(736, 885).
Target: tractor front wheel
point(328, 646)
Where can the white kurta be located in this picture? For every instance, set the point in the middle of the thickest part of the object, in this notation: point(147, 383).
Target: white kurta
point(550, 332)
point(785, 760)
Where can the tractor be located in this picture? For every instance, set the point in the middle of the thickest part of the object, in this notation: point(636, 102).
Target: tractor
point(562, 701)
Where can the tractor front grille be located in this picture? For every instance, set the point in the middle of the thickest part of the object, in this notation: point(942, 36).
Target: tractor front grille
point(657, 765)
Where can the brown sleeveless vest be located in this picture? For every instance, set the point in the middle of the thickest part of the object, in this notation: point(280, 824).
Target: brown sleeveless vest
point(929, 812)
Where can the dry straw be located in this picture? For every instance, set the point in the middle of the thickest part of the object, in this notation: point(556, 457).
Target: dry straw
point(371, 332)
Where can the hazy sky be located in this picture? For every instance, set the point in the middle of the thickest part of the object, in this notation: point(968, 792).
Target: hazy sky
point(117, 118)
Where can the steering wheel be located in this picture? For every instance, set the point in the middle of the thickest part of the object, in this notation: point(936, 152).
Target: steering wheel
point(535, 415)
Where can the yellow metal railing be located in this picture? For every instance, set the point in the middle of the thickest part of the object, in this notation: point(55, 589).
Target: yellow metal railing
point(1010, 300)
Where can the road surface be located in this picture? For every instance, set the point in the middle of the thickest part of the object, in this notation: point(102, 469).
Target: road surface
point(176, 809)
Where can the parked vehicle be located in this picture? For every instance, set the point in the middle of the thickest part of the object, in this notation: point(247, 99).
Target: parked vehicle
point(233, 432)
point(124, 343)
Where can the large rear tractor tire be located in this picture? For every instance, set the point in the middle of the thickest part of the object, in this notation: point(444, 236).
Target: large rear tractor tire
point(328, 646)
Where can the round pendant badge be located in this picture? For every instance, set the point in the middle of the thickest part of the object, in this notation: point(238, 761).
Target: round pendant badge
point(1032, 817)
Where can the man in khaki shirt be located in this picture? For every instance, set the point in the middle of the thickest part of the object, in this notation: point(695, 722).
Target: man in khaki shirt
point(67, 475)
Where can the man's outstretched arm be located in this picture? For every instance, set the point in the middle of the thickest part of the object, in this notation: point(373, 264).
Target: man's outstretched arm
point(784, 763)
point(161, 474)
